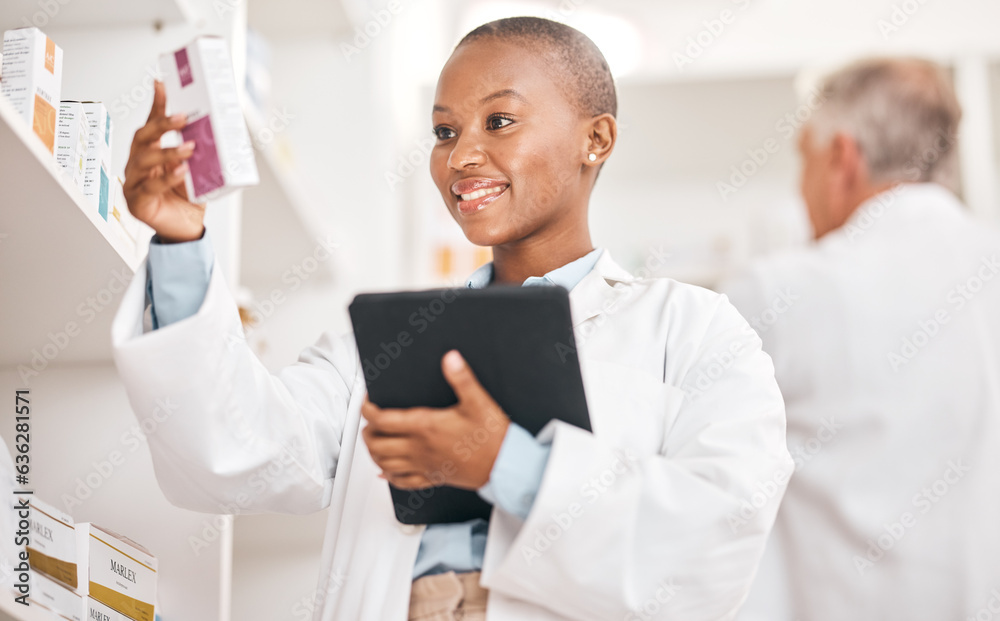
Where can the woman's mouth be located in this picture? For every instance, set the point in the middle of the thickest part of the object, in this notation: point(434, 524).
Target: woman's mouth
point(475, 194)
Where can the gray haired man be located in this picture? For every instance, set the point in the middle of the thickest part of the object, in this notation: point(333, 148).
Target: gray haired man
point(888, 357)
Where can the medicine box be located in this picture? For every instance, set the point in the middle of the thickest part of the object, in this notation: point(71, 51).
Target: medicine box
point(97, 168)
point(72, 134)
point(32, 78)
point(96, 611)
point(200, 84)
point(52, 547)
point(57, 597)
point(122, 573)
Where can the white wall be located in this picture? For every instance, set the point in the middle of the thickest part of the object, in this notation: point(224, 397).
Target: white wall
point(670, 183)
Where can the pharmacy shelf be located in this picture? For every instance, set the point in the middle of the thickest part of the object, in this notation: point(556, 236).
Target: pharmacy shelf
point(281, 227)
point(60, 262)
point(98, 13)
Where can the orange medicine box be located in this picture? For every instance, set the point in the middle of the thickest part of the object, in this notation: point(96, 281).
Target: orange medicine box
point(32, 79)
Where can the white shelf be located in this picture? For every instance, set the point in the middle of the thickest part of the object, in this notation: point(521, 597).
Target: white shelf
point(55, 252)
point(280, 225)
point(99, 13)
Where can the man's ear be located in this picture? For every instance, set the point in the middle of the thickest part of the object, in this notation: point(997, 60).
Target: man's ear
point(847, 161)
point(850, 175)
point(602, 133)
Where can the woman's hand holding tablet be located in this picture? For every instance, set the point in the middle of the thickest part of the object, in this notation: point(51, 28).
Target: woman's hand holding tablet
point(418, 447)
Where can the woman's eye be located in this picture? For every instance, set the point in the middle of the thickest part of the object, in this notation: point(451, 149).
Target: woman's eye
point(498, 122)
point(444, 133)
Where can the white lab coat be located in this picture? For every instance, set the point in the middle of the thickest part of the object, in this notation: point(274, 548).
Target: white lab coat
point(892, 441)
point(634, 517)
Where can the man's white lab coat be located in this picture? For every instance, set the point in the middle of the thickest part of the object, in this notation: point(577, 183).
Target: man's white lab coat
point(634, 521)
point(886, 343)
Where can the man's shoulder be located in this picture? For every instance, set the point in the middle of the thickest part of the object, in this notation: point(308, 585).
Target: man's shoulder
point(786, 267)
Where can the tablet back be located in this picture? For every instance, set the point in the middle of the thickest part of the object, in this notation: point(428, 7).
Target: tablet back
point(517, 340)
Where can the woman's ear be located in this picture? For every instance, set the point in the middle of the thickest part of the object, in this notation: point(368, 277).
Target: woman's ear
point(602, 132)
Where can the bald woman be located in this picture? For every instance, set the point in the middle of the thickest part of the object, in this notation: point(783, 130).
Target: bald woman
point(643, 518)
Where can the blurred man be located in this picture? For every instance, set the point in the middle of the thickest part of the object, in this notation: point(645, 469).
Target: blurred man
point(885, 336)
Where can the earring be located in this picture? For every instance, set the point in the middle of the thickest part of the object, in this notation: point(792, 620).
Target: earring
point(592, 157)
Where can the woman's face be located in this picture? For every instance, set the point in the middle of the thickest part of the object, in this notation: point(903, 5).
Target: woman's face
point(511, 146)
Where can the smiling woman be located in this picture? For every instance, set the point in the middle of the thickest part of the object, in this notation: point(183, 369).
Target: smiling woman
point(524, 118)
point(584, 525)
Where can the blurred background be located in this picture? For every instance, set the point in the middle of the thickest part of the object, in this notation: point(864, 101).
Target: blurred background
point(337, 95)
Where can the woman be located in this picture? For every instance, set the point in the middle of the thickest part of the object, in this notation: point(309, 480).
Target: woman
point(661, 512)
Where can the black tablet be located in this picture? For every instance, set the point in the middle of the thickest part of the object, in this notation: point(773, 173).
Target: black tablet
point(517, 340)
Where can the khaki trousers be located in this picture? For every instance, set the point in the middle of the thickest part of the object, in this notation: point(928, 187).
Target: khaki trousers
point(448, 597)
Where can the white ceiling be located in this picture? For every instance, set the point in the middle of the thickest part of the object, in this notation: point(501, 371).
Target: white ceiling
point(282, 20)
point(771, 37)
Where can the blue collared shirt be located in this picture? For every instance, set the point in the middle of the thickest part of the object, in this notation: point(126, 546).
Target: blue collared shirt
point(177, 282)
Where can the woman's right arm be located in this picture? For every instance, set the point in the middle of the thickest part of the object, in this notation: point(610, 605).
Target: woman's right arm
point(226, 436)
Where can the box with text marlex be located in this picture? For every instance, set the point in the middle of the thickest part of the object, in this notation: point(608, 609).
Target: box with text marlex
point(55, 566)
point(122, 574)
point(53, 550)
point(96, 611)
point(200, 84)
